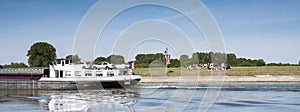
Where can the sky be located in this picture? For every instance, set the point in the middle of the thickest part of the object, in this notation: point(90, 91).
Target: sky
point(256, 29)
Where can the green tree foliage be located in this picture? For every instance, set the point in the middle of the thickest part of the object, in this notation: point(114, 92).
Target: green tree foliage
point(140, 60)
point(299, 63)
point(144, 60)
point(184, 59)
point(231, 59)
point(73, 58)
point(15, 65)
point(218, 58)
point(194, 59)
point(244, 62)
point(99, 59)
point(249, 62)
point(279, 64)
point(260, 62)
point(207, 57)
point(41, 54)
point(1, 66)
point(116, 59)
point(202, 58)
point(174, 63)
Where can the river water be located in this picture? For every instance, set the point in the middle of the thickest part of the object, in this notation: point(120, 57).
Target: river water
point(158, 97)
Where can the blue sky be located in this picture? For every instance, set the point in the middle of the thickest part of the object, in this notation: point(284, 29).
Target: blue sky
point(254, 29)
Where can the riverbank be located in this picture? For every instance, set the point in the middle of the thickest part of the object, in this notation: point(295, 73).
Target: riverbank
point(223, 79)
point(234, 75)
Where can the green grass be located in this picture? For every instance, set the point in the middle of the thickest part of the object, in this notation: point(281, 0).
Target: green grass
point(234, 71)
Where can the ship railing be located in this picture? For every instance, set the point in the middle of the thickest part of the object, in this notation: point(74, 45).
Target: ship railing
point(32, 70)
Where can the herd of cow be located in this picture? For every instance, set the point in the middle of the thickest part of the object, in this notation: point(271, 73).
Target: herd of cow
point(210, 66)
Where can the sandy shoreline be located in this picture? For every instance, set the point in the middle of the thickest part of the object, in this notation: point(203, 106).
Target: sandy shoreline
point(224, 79)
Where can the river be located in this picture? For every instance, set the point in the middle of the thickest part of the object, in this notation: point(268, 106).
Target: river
point(158, 97)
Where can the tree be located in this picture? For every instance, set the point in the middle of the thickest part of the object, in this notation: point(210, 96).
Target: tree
point(41, 54)
point(194, 59)
point(201, 57)
point(73, 58)
point(208, 57)
point(299, 63)
point(218, 58)
point(144, 60)
point(231, 59)
point(174, 63)
point(249, 62)
point(1, 66)
point(183, 57)
point(116, 59)
point(140, 58)
point(99, 59)
point(15, 65)
point(260, 62)
point(184, 60)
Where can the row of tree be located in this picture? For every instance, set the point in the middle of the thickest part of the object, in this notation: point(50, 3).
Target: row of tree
point(14, 65)
point(116, 59)
point(144, 60)
point(41, 54)
point(282, 64)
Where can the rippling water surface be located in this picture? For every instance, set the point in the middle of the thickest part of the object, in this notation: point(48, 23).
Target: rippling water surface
point(157, 97)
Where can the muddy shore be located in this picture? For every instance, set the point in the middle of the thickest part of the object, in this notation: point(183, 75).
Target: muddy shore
point(223, 79)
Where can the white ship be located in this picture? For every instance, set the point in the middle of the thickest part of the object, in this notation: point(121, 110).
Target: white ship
point(65, 71)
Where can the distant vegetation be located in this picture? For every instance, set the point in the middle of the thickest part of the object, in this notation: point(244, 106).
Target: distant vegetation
point(73, 58)
point(99, 59)
point(41, 54)
point(14, 65)
point(116, 59)
point(143, 60)
point(282, 64)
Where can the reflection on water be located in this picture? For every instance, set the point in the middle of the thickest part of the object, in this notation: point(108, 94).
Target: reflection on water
point(65, 103)
point(91, 100)
point(155, 97)
point(68, 101)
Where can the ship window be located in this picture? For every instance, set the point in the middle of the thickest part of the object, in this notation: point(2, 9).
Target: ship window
point(88, 73)
point(67, 61)
point(123, 72)
point(68, 73)
point(99, 74)
point(58, 61)
point(77, 73)
point(110, 74)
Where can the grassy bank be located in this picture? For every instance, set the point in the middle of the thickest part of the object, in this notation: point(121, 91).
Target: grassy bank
point(234, 71)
